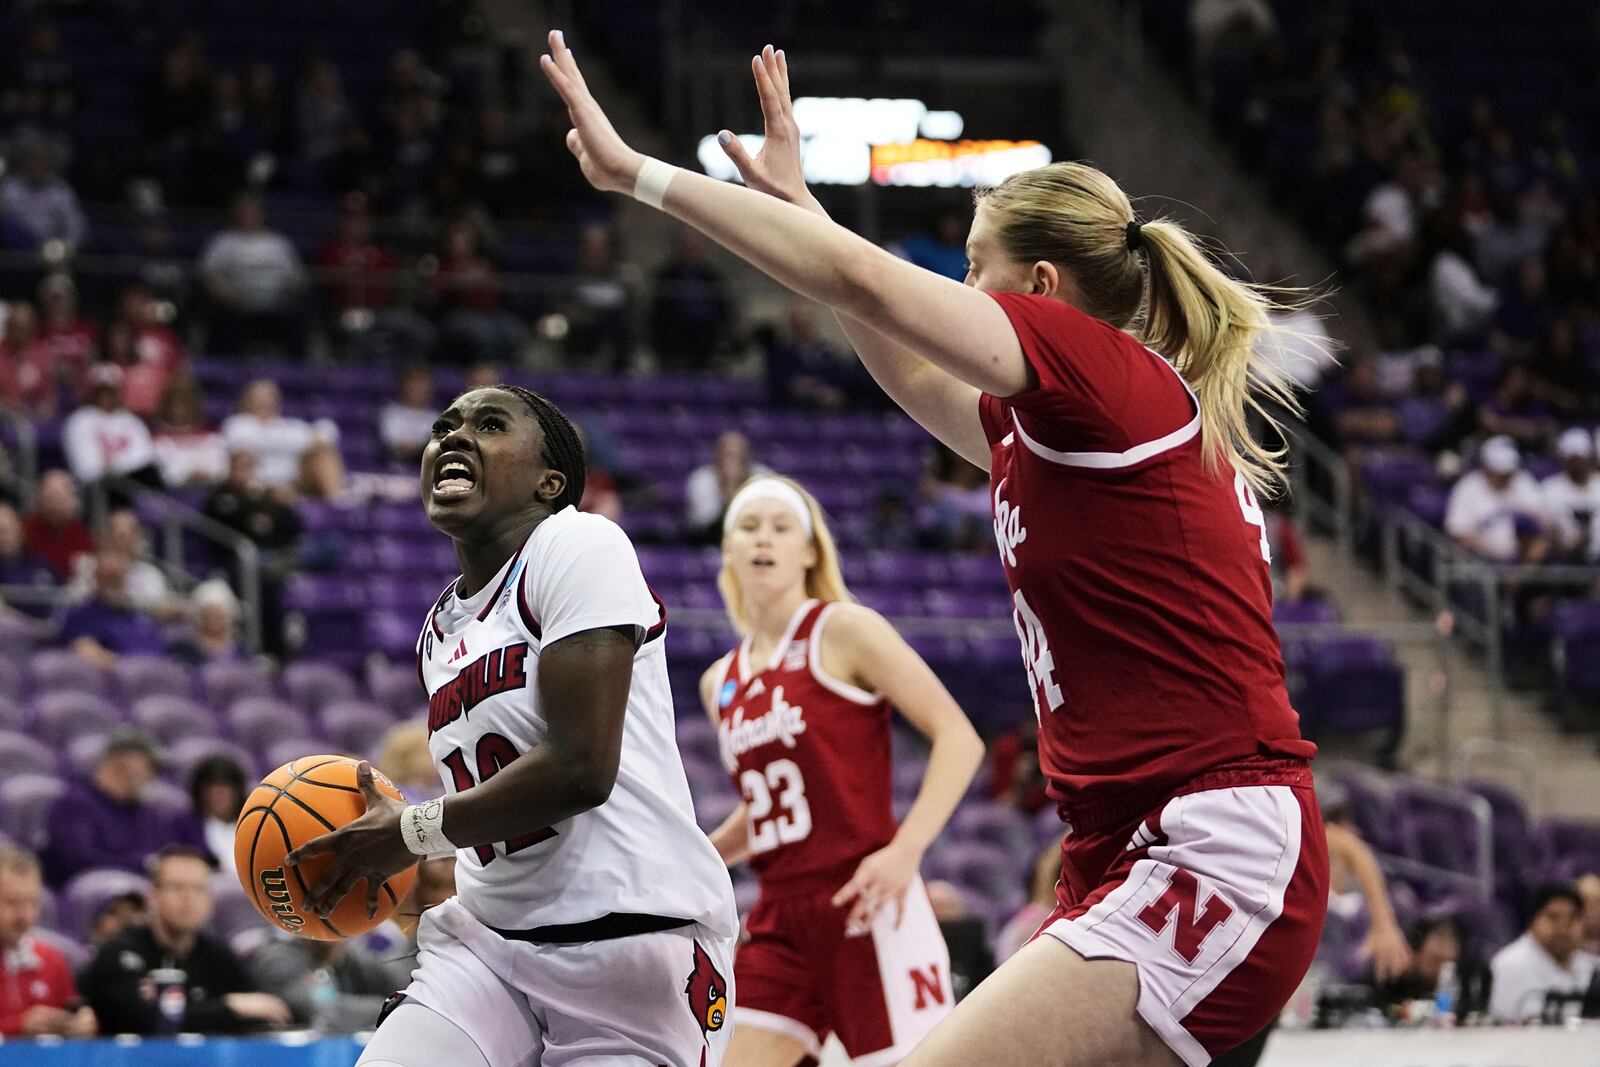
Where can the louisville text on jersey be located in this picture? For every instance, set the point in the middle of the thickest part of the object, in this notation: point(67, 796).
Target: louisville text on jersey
point(782, 722)
point(493, 673)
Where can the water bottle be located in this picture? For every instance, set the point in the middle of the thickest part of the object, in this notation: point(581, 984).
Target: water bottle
point(324, 992)
point(1444, 995)
point(172, 999)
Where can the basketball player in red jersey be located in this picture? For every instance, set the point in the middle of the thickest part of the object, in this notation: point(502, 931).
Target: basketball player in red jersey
point(843, 939)
point(1101, 370)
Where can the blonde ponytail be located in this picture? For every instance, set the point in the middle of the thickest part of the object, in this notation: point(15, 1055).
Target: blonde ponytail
point(824, 581)
point(1172, 297)
point(1210, 326)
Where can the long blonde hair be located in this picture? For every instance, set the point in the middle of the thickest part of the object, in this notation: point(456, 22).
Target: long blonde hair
point(1173, 298)
point(824, 580)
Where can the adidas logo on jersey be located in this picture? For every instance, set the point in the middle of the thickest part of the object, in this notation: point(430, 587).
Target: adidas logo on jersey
point(757, 687)
point(783, 722)
point(459, 653)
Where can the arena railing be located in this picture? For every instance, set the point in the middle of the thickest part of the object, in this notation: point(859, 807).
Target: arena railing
point(176, 519)
point(20, 432)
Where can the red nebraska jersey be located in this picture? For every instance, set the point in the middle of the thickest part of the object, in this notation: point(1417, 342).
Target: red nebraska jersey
point(1140, 582)
point(810, 755)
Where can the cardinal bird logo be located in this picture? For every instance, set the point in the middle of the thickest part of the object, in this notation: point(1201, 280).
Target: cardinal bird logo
point(708, 992)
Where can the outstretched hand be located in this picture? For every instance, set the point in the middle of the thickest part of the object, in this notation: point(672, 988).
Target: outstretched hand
point(607, 162)
point(369, 847)
point(776, 169)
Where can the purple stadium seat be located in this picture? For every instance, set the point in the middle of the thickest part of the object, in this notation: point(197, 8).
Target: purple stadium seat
point(89, 891)
point(233, 913)
point(62, 716)
point(58, 669)
point(49, 910)
point(1353, 684)
point(72, 950)
point(316, 685)
point(1515, 852)
point(22, 754)
point(11, 673)
point(711, 808)
point(163, 794)
point(1304, 612)
point(989, 870)
point(82, 753)
point(355, 726)
point(1575, 639)
point(907, 775)
point(172, 718)
point(994, 822)
point(397, 687)
point(186, 754)
point(1047, 826)
point(144, 676)
point(288, 749)
point(1561, 840)
point(256, 721)
point(696, 743)
point(745, 894)
point(227, 682)
point(25, 801)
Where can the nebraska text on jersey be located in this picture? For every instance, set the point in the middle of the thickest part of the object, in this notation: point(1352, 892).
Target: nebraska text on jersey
point(738, 735)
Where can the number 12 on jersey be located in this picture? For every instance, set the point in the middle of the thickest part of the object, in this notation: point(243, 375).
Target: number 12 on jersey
point(494, 752)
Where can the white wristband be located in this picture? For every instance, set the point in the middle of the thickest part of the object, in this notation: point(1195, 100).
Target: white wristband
point(650, 185)
point(422, 827)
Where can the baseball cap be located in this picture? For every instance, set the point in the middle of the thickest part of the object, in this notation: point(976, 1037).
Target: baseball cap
point(129, 739)
point(1575, 442)
point(1500, 455)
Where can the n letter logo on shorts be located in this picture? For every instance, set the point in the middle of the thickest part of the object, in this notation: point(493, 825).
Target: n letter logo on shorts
point(928, 988)
point(1194, 926)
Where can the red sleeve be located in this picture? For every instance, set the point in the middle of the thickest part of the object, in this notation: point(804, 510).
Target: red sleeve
point(1099, 389)
point(57, 975)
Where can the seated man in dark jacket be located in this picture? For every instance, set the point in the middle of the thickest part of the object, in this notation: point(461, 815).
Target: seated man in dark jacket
point(167, 976)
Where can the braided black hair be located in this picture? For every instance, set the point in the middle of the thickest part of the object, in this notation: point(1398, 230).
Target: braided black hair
point(563, 448)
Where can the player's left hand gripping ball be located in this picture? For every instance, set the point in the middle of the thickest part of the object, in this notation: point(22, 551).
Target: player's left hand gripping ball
point(371, 847)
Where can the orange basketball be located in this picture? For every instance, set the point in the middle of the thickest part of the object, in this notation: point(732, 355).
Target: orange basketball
point(302, 800)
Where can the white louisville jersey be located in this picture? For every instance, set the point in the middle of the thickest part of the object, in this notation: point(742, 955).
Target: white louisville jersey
point(641, 851)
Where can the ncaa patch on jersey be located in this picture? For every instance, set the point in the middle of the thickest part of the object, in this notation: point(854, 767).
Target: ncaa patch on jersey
point(729, 688)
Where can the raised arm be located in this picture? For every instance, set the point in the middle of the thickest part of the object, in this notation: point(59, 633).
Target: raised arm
point(942, 404)
point(958, 329)
point(583, 690)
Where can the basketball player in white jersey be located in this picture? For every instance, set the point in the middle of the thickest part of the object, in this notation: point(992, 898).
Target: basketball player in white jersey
point(594, 921)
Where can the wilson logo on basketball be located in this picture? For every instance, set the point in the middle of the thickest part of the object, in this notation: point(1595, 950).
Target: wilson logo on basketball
point(276, 888)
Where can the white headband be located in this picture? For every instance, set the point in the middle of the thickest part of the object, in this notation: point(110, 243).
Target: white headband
point(767, 489)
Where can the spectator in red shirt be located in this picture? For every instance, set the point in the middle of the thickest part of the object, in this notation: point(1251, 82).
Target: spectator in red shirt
point(37, 993)
point(70, 340)
point(468, 293)
point(54, 532)
point(357, 275)
point(146, 349)
point(27, 383)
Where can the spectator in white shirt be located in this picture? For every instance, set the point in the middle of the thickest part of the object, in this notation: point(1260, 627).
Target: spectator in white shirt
point(292, 455)
point(104, 439)
point(1572, 498)
point(191, 454)
point(1486, 505)
point(147, 586)
point(711, 486)
point(406, 423)
point(256, 283)
point(1545, 959)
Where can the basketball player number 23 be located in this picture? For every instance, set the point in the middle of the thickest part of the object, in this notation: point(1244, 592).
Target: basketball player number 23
point(1252, 512)
point(792, 822)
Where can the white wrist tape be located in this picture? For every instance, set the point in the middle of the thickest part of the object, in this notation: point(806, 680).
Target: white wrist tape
point(422, 826)
point(650, 185)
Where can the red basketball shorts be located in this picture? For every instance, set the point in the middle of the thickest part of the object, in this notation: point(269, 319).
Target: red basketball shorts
point(880, 992)
point(1217, 897)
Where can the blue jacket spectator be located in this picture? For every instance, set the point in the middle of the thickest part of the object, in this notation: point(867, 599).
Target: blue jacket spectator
point(107, 625)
